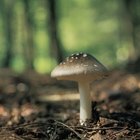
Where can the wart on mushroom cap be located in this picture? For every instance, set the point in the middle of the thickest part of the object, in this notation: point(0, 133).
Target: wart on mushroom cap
point(84, 69)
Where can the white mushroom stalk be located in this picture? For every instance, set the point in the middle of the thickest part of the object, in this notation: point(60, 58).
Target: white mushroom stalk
point(85, 101)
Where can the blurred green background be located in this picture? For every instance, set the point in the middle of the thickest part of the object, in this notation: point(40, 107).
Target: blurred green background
point(38, 34)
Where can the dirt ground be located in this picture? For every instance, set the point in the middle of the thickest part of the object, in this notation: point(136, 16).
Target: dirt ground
point(36, 107)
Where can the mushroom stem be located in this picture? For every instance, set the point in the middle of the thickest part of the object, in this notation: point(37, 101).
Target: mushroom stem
point(85, 101)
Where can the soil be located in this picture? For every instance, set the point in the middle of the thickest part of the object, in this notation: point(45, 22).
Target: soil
point(37, 107)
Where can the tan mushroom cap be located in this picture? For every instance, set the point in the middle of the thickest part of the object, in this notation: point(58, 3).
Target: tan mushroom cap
point(79, 66)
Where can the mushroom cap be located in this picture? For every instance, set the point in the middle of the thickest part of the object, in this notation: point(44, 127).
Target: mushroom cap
point(79, 66)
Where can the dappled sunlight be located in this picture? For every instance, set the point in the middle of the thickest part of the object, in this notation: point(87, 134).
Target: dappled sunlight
point(125, 52)
point(116, 83)
point(65, 96)
point(43, 65)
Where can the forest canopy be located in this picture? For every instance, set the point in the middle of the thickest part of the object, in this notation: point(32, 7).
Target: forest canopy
point(38, 34)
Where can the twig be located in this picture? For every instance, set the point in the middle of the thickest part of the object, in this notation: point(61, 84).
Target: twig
point(101, 128)
point(69, 128)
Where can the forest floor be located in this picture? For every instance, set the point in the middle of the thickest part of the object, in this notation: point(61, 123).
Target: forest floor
point(36, 107)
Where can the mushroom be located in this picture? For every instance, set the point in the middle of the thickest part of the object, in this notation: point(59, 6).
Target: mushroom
point(82, 68)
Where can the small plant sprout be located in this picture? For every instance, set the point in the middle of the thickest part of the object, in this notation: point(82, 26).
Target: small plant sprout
point(82, 68)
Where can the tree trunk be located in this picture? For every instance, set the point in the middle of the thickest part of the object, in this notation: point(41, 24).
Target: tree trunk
point(133, 20)
point(29, 48)
point(55, 49)
point(7, 11)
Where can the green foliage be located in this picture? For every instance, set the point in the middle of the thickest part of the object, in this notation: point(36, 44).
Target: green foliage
point(91, 26)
